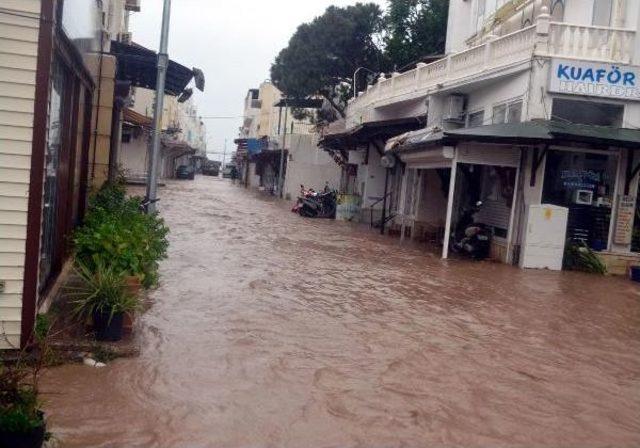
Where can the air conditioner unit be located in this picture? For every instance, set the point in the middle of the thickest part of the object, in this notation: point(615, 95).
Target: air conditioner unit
point(454, 108)
point(132, 5)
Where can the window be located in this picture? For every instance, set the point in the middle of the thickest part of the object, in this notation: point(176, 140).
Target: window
point(510, 112)
point(514, 112)
point(475, 119)
point(602, 12)
point(557, 10)
point(585, 184)
point(499, 114)
point(587, 112)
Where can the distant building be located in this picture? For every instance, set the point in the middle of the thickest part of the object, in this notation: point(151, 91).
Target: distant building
point(269, 128)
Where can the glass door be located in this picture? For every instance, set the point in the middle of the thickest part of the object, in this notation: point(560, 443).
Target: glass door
point(51, 201)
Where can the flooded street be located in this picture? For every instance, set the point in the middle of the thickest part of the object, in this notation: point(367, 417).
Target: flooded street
point(269, 330)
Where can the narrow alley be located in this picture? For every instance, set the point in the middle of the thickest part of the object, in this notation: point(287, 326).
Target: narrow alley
point(272, 330)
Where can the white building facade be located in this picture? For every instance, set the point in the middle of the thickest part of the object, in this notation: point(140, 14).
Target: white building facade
point(536, 102)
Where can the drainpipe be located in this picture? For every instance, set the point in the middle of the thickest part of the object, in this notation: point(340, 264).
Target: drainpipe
point(99, 96)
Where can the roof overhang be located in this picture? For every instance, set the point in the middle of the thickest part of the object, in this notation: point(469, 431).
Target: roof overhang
point(299, 103)
point(545, 132)
point(132, 117)
point(370, 131)
point(138, 65)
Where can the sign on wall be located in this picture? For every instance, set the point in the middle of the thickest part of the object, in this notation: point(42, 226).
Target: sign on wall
point(624, 222)
point(595, 79)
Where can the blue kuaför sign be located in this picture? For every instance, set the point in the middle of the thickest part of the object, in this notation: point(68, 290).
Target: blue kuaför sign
point(595, 79)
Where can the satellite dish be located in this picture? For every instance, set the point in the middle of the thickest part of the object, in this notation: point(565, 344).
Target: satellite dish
point(388, 161)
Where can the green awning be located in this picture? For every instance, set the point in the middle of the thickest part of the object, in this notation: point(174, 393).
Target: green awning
point(530, 132)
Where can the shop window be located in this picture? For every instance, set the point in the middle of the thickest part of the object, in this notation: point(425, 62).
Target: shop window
point(587, 112)
point(584, 183)
point(475, 119)
point(602, 12)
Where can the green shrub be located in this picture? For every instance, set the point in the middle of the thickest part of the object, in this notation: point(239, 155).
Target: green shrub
point(19, 409)
point(580, 257)
point(116, 233)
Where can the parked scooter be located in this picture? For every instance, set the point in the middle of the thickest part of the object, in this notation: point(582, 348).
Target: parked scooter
point(304, 193)
point(472, 239)
point(316, 205)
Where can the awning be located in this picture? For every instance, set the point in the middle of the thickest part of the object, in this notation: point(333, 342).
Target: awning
point(299, 103)
point(138, 65)
point(530, 132)
point(367, 132)
point(132, 117)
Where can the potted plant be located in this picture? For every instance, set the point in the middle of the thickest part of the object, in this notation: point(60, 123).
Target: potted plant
point(104, 297)
point(22, 423)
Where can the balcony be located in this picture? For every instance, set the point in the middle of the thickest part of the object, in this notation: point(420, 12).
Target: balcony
point(545, 38)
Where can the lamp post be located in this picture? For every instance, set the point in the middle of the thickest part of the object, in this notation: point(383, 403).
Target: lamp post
point(355, 74)
point(163, 63)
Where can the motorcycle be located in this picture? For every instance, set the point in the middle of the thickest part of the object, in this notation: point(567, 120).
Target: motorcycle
point(304, 193)
point(316, 205)
point(472, 239)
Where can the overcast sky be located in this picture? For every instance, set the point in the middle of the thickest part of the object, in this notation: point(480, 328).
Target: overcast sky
point(233, 41)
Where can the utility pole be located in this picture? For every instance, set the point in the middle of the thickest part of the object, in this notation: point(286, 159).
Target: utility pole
point(224, 154)
point(163, 63)
point(284, 140)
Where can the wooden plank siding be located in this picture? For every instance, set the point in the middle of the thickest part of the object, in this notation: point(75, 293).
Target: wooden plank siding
point(19, 27)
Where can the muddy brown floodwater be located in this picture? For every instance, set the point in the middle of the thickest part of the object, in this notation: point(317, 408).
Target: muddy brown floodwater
point(270, 330)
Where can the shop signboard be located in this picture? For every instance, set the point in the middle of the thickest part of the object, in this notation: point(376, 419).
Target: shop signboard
point(624, 222)
point(595, 79)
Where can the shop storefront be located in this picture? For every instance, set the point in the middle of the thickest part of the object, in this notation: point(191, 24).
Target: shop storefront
point(509, 167)
point(585, 183)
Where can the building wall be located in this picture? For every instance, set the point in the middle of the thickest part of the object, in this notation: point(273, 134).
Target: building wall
point(308, 165)
point(133, 155)
point(18, 59)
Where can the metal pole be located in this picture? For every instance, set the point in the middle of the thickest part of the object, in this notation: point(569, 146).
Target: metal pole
point(224, 154)
point(163, 63)
point(284, 139)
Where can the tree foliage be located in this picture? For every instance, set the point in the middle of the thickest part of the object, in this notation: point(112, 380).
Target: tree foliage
point(322, 55)
point(414, 29)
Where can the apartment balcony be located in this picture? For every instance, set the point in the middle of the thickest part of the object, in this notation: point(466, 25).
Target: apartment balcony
point(544, 39)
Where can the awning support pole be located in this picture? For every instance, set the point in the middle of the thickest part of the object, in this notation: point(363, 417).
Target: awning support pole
point(537, 161)
point(284, 140)
point(452, 188)
point(163, 63)
point(383, 219)
point(403, 202)
point(631, 172)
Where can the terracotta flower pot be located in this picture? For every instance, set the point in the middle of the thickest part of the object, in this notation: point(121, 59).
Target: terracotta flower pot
point(134, 285)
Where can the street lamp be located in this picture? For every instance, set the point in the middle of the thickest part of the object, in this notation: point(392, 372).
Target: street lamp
point(355, 92)
point(163, 64)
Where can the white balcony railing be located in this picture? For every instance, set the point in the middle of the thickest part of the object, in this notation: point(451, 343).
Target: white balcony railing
point(542, 39)
point(591, 42)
